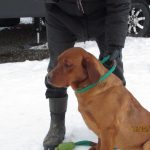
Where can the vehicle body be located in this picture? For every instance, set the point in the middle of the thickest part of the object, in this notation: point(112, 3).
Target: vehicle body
point(21, 8)
point(12, 10)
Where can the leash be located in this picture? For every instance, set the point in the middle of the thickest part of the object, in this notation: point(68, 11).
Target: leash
point(72, 145)
point(102, 78)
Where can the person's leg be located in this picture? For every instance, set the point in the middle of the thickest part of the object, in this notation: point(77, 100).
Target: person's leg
point(119, 69)
point(59, 39)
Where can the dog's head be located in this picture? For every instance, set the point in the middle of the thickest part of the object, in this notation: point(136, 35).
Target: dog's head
point(74, 67)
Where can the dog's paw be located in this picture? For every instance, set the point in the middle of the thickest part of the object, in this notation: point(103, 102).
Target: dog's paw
point(93, 148)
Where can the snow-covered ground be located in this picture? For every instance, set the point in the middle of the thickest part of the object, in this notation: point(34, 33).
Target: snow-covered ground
point(24, 112)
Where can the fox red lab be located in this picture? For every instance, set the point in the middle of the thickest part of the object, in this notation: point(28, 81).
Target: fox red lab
point(108, 108)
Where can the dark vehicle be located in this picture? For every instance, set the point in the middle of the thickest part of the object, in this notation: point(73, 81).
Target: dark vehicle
point(12, 10)
point(139, 18)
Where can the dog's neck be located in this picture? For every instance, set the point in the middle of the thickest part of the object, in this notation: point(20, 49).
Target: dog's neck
point(108, 83)
point(81, 84)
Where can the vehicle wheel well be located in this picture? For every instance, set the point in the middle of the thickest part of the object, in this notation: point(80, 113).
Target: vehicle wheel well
point(147, 1)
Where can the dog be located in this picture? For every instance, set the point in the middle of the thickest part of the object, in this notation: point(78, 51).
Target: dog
point(108, 108)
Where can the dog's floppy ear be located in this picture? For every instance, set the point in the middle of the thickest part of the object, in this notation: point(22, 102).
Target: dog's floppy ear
point(91, 68)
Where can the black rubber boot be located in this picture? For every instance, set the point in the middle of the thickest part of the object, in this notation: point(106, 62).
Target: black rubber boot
point(56, 132)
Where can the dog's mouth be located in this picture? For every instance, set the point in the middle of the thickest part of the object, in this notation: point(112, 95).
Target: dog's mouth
point(51, 82)
point(48, 79)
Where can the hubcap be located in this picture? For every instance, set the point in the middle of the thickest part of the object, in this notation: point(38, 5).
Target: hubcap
point(136, 21)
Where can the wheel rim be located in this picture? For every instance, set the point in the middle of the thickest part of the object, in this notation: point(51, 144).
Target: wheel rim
point(136, 21)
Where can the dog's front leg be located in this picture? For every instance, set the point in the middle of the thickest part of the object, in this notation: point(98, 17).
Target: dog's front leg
point(108, 139)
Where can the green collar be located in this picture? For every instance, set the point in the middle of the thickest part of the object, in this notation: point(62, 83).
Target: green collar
point(102, 78)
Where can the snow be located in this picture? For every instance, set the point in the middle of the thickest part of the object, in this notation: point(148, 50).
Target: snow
point(26, 20)
point(24, 111)
point(39, 47)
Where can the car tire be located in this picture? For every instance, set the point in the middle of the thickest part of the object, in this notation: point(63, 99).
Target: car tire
point(139, 19)
point(9, 22)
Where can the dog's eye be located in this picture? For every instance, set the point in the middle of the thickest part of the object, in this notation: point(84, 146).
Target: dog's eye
point(67, 65)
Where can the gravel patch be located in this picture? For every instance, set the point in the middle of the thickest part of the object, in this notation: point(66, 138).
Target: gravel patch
point(19, 44)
